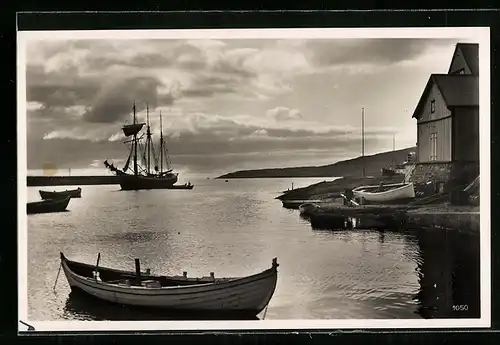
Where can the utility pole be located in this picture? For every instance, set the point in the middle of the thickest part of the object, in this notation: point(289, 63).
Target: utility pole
point(363, 138)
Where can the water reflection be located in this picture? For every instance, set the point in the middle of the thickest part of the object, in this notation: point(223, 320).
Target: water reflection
point(449, 274)
point(81, 306)
point(447, 267)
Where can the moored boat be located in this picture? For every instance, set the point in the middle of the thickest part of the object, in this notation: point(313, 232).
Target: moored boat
point(247, 295)
point(306, 208)
point(149, 173)
point(295, 204)
point(182, 186)
point(386, 193)
point(74, 193)
point(48, 206)
point(388, 172)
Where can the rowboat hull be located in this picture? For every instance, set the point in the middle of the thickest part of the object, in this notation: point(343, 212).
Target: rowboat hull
point(75, 193)
point(307, 208)
point(48, 206)
point(295, 204)
point(182, 187)
point(132, 182)
point(249, 295)
point(399, 192)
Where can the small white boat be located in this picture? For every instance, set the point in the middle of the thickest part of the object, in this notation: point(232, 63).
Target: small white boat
point(246, 295)
point(390, 192)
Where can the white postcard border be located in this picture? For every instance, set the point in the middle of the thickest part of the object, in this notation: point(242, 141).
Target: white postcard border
point(479, 35)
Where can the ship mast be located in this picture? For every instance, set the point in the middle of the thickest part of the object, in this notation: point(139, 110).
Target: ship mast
point(149, 140)
point(161, 145)
point(135, 147)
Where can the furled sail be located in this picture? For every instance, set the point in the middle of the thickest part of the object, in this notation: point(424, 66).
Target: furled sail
point(132, 129)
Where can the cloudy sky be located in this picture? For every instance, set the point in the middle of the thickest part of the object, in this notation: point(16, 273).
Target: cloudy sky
point(226, 104)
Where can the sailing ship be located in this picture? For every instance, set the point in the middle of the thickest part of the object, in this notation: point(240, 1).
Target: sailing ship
point(149, 172)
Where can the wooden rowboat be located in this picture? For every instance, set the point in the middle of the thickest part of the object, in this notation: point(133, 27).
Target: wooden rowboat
point(182, 186)
point(389, 193)
point(295, 204)
point(74, 193)
point(306, 208)
point(246, 295)
point(48, 206)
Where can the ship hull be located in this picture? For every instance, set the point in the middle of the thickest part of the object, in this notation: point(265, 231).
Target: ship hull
point(131, 182)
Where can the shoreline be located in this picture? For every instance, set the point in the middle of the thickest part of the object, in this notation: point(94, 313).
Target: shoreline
point(372, 164)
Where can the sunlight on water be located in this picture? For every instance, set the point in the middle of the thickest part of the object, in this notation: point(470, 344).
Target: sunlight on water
point(235, 228)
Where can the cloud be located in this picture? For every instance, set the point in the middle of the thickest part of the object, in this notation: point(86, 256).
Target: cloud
point(374, 52)
point(221, 97)
point(284, 114)
point(113, 101)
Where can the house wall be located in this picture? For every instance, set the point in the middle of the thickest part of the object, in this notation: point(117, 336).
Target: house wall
point(458, 62)
point(438, 122)
point(442, 128)
point(466, 134)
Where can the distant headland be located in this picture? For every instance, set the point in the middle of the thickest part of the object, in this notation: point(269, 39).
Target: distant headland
point(351, 167)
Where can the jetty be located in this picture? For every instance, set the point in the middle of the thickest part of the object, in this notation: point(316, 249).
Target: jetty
point(39, 181)
point(454, 209)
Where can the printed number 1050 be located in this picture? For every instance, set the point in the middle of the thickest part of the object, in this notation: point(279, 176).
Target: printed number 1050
point(460, 307)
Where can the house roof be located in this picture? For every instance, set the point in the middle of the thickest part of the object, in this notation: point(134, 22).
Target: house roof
point(470, 52)
point(457, 90)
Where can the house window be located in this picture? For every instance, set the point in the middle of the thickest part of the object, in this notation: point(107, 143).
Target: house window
point(459, 71)
point(433, 106)
point(433, 139)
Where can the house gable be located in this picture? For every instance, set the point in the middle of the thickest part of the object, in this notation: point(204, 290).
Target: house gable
point(432, 104)
point(465, 60)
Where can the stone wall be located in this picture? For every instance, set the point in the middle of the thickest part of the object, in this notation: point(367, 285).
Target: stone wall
point(435, 172)
point(447, 175)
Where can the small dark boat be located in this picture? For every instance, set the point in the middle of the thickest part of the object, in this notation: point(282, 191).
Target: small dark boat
point(295, 204)
point(74, 193)
point(246, 295)
point(48, 206)
point(388, 172)
point(182, 186)
point(308, 207)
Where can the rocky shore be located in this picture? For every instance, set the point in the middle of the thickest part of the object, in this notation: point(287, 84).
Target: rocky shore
point(332, 189)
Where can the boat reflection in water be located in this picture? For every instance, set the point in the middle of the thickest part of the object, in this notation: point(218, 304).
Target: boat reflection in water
point(448, 271)
point(82, 306)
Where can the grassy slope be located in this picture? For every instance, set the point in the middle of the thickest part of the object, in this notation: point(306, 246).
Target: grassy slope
point(351, 167)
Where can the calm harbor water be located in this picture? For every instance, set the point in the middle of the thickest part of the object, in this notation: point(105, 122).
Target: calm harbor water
point(235, 228)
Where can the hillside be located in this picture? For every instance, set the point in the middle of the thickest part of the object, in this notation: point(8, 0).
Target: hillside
point(351, 167)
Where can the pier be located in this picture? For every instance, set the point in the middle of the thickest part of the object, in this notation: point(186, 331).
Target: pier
point(446, 217)
point(39, 181)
